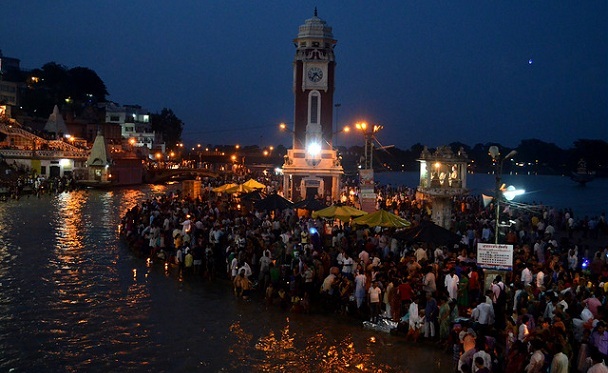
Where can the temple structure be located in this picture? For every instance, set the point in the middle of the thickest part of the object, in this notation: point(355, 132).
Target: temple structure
point(443, 176)
point(312, 167)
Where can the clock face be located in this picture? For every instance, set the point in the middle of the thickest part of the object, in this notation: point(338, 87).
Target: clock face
point(315, 74)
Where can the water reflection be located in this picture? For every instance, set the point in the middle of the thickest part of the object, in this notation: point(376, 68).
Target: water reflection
point(69, 221)
point(288, 352)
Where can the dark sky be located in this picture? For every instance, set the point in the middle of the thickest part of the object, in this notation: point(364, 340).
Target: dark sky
point(432, 72)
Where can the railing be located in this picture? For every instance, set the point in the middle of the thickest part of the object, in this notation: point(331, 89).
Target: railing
point(14, 129)
point(17, 153)
point(63, 145)
point(60, 144)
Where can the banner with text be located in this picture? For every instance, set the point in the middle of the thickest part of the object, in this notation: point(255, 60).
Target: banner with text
point(491, 256)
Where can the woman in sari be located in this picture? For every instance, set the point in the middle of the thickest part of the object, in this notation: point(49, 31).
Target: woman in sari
point(444, 319)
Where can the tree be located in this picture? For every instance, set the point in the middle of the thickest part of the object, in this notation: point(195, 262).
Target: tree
point(546, 156)
point(85, 85)
point(168, 125)
point(594, 152)
point(79, 87)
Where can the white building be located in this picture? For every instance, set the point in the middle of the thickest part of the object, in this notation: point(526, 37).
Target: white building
point(134, 122)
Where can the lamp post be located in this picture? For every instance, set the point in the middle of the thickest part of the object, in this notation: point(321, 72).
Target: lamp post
point(494, 152)
point(366, 173)
point(337, 123)
point(369, 132)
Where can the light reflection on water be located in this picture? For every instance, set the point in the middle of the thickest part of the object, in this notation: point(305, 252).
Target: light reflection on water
point(62, 297)
point(288, 352)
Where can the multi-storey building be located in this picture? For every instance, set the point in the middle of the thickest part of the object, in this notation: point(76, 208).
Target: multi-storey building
point(134, 122)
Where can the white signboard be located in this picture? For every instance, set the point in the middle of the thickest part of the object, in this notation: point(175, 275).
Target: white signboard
point(491, 256)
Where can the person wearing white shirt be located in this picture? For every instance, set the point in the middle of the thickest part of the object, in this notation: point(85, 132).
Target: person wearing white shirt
point(526, 275)
point(523, 329)
point(559, 364)
point(451, 284)
point(413, 314)
point(487, 358)
point(483, 314)
point(537, 360)
point(420, 254)
point(364, 258)
point(347, 266)
point(572, 259)
point(360, 281)
point(598, 363)
point(550, 307)
point(438, 254)
point(550, 230)
point(234, 266)
point(540, 279)
point(245, 268)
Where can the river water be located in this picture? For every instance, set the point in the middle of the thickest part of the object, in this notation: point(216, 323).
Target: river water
point(556, 191)
point(74, 298)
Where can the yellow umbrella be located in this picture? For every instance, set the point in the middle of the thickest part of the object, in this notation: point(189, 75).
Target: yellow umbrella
point(253, 184)
point(222, 188)
point(382, 218)
point(239, 189)
point(344, 213)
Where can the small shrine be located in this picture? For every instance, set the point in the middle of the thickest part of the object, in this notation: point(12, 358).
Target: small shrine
point(98, 163)
point(443, 176)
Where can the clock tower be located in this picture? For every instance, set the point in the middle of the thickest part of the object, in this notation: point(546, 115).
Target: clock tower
point(312, 168)
point(313, 83)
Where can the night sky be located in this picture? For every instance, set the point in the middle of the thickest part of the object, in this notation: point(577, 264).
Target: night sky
point(431, 72)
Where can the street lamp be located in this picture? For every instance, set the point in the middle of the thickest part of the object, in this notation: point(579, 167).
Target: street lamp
point(345, 129)
point(132, 143)
point(494, 152)
point(369, 132)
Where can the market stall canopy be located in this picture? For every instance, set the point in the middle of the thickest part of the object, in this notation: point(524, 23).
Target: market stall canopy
point(222, 188)
point(382, 218)
point(239, 189)
point(253, 184)
point(310, 205)
point(273, 202)
point(344, 213)
point(252, 196)
point(429, 232)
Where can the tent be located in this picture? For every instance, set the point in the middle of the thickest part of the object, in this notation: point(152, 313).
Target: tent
point(222, 188)
point(310, 205)
point(382, 218)
point(344, 213)
point(273, 202)
point(252, 196)
point(427, 231)
point(253, 184)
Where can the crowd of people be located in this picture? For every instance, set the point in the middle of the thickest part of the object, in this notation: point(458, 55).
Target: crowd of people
point(545, 315)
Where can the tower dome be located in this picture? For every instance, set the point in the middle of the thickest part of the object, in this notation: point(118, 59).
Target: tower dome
point(315, 28)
